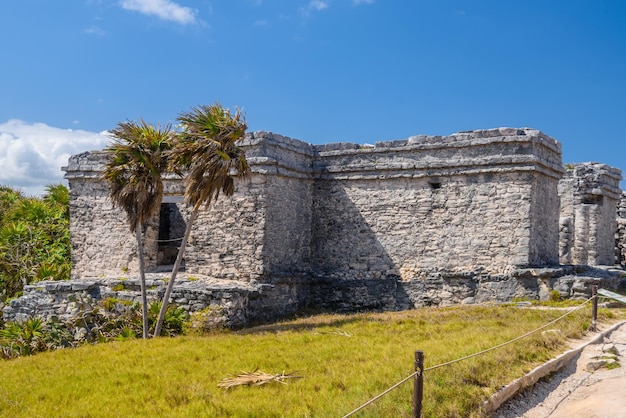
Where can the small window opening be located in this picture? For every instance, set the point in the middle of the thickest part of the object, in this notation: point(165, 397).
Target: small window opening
point(434, 184)
point(593, 200)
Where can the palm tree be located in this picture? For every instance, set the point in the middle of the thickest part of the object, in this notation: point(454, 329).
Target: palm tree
point(139, 157)
point(207, 151)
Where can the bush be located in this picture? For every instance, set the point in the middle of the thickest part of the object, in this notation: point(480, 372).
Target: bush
point(555, 296)
point(111, 319)
point(206, 321)
point(34, 238)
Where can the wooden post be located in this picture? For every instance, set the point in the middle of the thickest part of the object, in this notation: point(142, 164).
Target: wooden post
point(418, 384)
point(594, 308)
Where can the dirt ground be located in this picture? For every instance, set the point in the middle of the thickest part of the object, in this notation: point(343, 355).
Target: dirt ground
point(585, 388)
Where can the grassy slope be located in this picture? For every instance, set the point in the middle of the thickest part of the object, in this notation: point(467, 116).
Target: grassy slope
point(179, 376)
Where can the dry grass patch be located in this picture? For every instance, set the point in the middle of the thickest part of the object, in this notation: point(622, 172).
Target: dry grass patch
point(256, 378)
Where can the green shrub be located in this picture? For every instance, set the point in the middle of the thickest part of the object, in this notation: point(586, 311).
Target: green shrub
point(111, 304)
point(110, 319)
point(22, 339)
point(174, 320)
point(555, 296)
point(206, 321)
point(34, 238)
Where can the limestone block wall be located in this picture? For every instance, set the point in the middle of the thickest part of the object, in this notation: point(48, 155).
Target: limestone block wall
point(286, 164)
point(227, 239)
point(473, 201)
point(264, 231)
point(620, 235)
point(102, 243)
point(544, 217)
point(372, 228)
point(589, 195)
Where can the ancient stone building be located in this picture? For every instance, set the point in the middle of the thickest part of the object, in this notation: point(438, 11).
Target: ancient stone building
point(477, 201)
point(472, 217)
point(347, 224)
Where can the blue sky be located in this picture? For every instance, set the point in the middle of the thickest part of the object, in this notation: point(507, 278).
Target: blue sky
point(320, 71)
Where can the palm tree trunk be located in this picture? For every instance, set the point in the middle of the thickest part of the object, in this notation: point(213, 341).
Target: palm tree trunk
point(142, 278)
point(177, 263)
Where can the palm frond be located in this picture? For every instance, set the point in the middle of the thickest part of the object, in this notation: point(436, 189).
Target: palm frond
point(139, 155)
point(207, 150)
point(256, 378)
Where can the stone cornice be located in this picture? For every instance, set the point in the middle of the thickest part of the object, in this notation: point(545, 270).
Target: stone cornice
point(465, 153)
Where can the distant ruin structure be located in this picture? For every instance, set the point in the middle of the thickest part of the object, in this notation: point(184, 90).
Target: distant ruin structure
point(589, 195)
point(620, 234)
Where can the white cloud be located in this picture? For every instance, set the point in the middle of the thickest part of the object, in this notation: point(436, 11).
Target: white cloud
point(95, 30)
point(164, 9)
point(314, 5)
point(261, 23)
point(31, 155)
point(318, 5)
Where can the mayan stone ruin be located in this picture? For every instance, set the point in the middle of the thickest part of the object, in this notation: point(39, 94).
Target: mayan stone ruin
point(480, 216)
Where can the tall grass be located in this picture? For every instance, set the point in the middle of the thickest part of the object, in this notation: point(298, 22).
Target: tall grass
point(344, 360)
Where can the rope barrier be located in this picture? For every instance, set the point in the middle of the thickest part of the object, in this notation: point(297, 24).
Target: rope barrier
point(511, 341)
point(377, 397)
point(582, 305)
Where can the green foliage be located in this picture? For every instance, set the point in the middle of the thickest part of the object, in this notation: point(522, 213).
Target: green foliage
point(175, 318)
point(118, 287)
point(138, 158)
point(555, 296)
point(206, 321)
point(110, 319)
point(34, 238)
point(22, 339)
point(111, 304)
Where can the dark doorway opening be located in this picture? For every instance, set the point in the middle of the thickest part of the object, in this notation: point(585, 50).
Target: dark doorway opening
point(171, 230)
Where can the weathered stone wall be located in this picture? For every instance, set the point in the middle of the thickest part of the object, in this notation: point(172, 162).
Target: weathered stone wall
point(227, 239)
point(232, 303)
point(404, 207)
point(620, 235)
point(476, 201)
point(589, 195)
point(287, 167)
point(235, 303)
point(264, 231)
point(368, 229)
point(102, 243)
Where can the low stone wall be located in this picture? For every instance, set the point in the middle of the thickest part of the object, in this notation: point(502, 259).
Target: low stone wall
point(235, 303)
point(445, 289)
point(240, 303)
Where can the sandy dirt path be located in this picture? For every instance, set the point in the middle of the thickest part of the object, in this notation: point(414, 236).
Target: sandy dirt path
point(578, 390)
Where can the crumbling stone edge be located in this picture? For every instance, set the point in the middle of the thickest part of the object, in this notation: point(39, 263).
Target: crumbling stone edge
point(509, 391)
